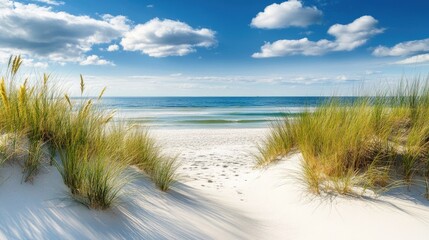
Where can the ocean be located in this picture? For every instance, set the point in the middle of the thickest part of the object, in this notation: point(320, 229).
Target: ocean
point(208, 112)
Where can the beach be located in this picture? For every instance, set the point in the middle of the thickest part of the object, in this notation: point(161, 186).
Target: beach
point(214, 120)
point(214, 160)
point(221, 163)
point(219, 195)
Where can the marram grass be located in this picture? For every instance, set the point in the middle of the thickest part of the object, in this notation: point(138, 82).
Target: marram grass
point(39, 122)
point(362, 144)
point(146, 154)
point(278, 143)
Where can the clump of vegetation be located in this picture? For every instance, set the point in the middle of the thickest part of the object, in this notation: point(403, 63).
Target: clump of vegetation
point(365, 143)
point(279, 142)
point(34, 159)
point(144, 153)
point(38, 121)
point(164, 172)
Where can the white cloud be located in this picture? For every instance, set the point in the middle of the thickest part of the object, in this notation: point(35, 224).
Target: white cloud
point(176, 74)
point(162, 38)
point(287, 14)
point(166, 84)
point(95, 60)
point(422, 58)
point(355, 34)
point(41, 33)
point(41, 64)
point(51, 2)
point(347, 38)
point(403, 48)
point(32, 63)
point(4, 55)
point(372, 72)
point(5, 3)
point(150, 6)
point(113, 48)
point(301, 46)
point(275, 79)
point(247, 79)
point(342, 78)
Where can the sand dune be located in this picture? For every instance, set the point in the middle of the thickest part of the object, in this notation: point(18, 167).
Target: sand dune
point(220, 196)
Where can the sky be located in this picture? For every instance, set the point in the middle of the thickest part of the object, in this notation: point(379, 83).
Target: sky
point(218, 47)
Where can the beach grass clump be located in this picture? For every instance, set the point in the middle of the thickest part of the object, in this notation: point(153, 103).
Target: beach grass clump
point(103, 181)
point(39, 122)
point(280, 142)
point(365, 143)
point(164, 173)
point(143, 151)
point(141, 148)
point(91, 162)
point(340, 144)
point(94, 176)
point(34, 159)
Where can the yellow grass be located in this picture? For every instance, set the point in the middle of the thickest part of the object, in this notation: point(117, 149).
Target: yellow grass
point(361, 144)
point(92, 156)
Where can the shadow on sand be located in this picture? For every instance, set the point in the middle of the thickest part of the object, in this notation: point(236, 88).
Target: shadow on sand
point(45, 211)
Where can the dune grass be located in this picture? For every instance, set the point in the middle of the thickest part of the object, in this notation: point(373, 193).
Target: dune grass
point(39, 121)
point(146, 154)
point(279, 142)
point(366, 143)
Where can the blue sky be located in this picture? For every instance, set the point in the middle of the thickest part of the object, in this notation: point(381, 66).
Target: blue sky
point(220, 48)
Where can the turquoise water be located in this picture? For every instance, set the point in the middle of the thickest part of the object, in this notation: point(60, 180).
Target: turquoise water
point(209, 112)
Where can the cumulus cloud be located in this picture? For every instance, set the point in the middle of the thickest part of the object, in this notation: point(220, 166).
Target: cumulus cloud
point(46, 35)
point(301, 46)
point(162, 38)
point(42, 33)
point(347, 38)
point(5, 3)
point(422, 58)
point(355, 34)
point(95, 60)
point(403, 48)
point(35, 64)
point(51, 2)
point(287, 14)
point(113, 48)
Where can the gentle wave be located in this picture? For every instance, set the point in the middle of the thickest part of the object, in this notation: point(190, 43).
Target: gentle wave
point(264, 114)
point(184, 112)
point(223, 121)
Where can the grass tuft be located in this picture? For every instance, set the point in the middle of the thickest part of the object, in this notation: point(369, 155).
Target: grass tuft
point(365, 143)
point(279, 142)
point(39, 121)
point(144, 153)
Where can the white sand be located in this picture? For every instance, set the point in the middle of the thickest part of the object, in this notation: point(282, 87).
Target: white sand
point(213, 160)
point(219, 196)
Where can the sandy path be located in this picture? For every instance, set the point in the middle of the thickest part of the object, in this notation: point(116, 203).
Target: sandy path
point(213, 159)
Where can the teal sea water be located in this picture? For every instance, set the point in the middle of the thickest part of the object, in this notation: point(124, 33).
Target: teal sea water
point(209, 112)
